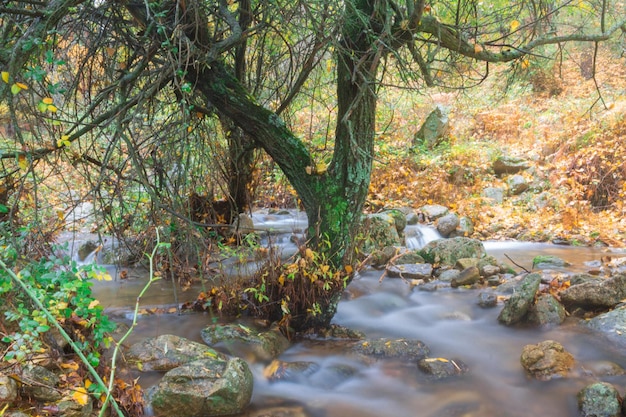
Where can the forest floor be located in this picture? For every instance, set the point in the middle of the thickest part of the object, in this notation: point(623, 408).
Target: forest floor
point(570, 127)
point(569, 124)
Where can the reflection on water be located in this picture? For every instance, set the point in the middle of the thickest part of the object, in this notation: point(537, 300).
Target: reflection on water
point(449, 321)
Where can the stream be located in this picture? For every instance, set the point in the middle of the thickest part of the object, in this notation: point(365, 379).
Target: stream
point(449, 321)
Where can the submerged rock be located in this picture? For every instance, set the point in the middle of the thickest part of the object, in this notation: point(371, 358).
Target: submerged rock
point(518, 305)
point(167, 352)
point(393, 348)
point(208, 387)
point(440, 368)
point(546, 360)
point(549, 262)
point(600, 399)
point(289, 371)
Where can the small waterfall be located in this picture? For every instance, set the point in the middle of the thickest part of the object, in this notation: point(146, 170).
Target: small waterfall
point(417, 236)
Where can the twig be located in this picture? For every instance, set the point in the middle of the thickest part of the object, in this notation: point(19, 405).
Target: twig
point(515, 263)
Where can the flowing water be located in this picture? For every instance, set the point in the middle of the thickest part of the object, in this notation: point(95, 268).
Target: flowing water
point(448, 321)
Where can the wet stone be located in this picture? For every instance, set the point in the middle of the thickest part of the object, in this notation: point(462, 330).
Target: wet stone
point(393, 348)
point(43, 386)
point(546, 360)
point(439, 368)
point(468, 276)
point(410, 271)
point(487, 300)
point(516, 308)
point(289, 371)
point(600, 399)
point(239, 340)
point(167, 352)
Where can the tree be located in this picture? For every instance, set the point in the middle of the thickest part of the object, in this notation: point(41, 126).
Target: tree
point(195, 51)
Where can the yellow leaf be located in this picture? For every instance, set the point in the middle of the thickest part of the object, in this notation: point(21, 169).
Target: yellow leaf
point(320, 168)
point(52, 108)
point(281, 279)
point(48, 100)
point(514, 25)
point(81, 396)
point(88, 383)
point(348, 268)
point(477, 48)
point(22, 161)
point(308, 253)
point(5, 76)
point(62, 305)
point(93, 304)
point(525, 63)
point(22, 86)
point(64, 141)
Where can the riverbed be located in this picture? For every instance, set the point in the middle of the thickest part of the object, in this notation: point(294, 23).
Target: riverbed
point(449, 321)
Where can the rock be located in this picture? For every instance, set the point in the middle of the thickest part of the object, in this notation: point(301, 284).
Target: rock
point(546, 311)
point(447, 224)
point(412, 218)
point(393, 348)
point(603, 368)
point(517, 184)
point(238, 340)
point(378, 233)
point(489, 270)
point(410, 271)
point(599, 399)
point(468, 276)
point(208, 387)
point(465, 263)
point(380, 257)
point(598, 293)
point(42, 384)
point(546, 360)
point(289, 371)
point(509, 165)
point(549, 262)
point(167, 352)
point(448, 251)
point(449, 274)
point(434, 128)
point(242, 224)
point(409, 257)
point(543, 200)
point(86, 249)
point(611, 324)
point(466, 227)
point(8, 389)
point(496, 194)
point(71, 407)
point(487, 300)
point(440, 368)
point(434, 211)
point(517, 306)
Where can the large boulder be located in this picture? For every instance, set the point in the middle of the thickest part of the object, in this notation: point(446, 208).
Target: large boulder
point(448, 251)
point(599, 399)
point(590, 295)
point(167, 352)
point(239, 340)
point(208, 387)
point(546, 360)
point(434, 129)
point(518, 305)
